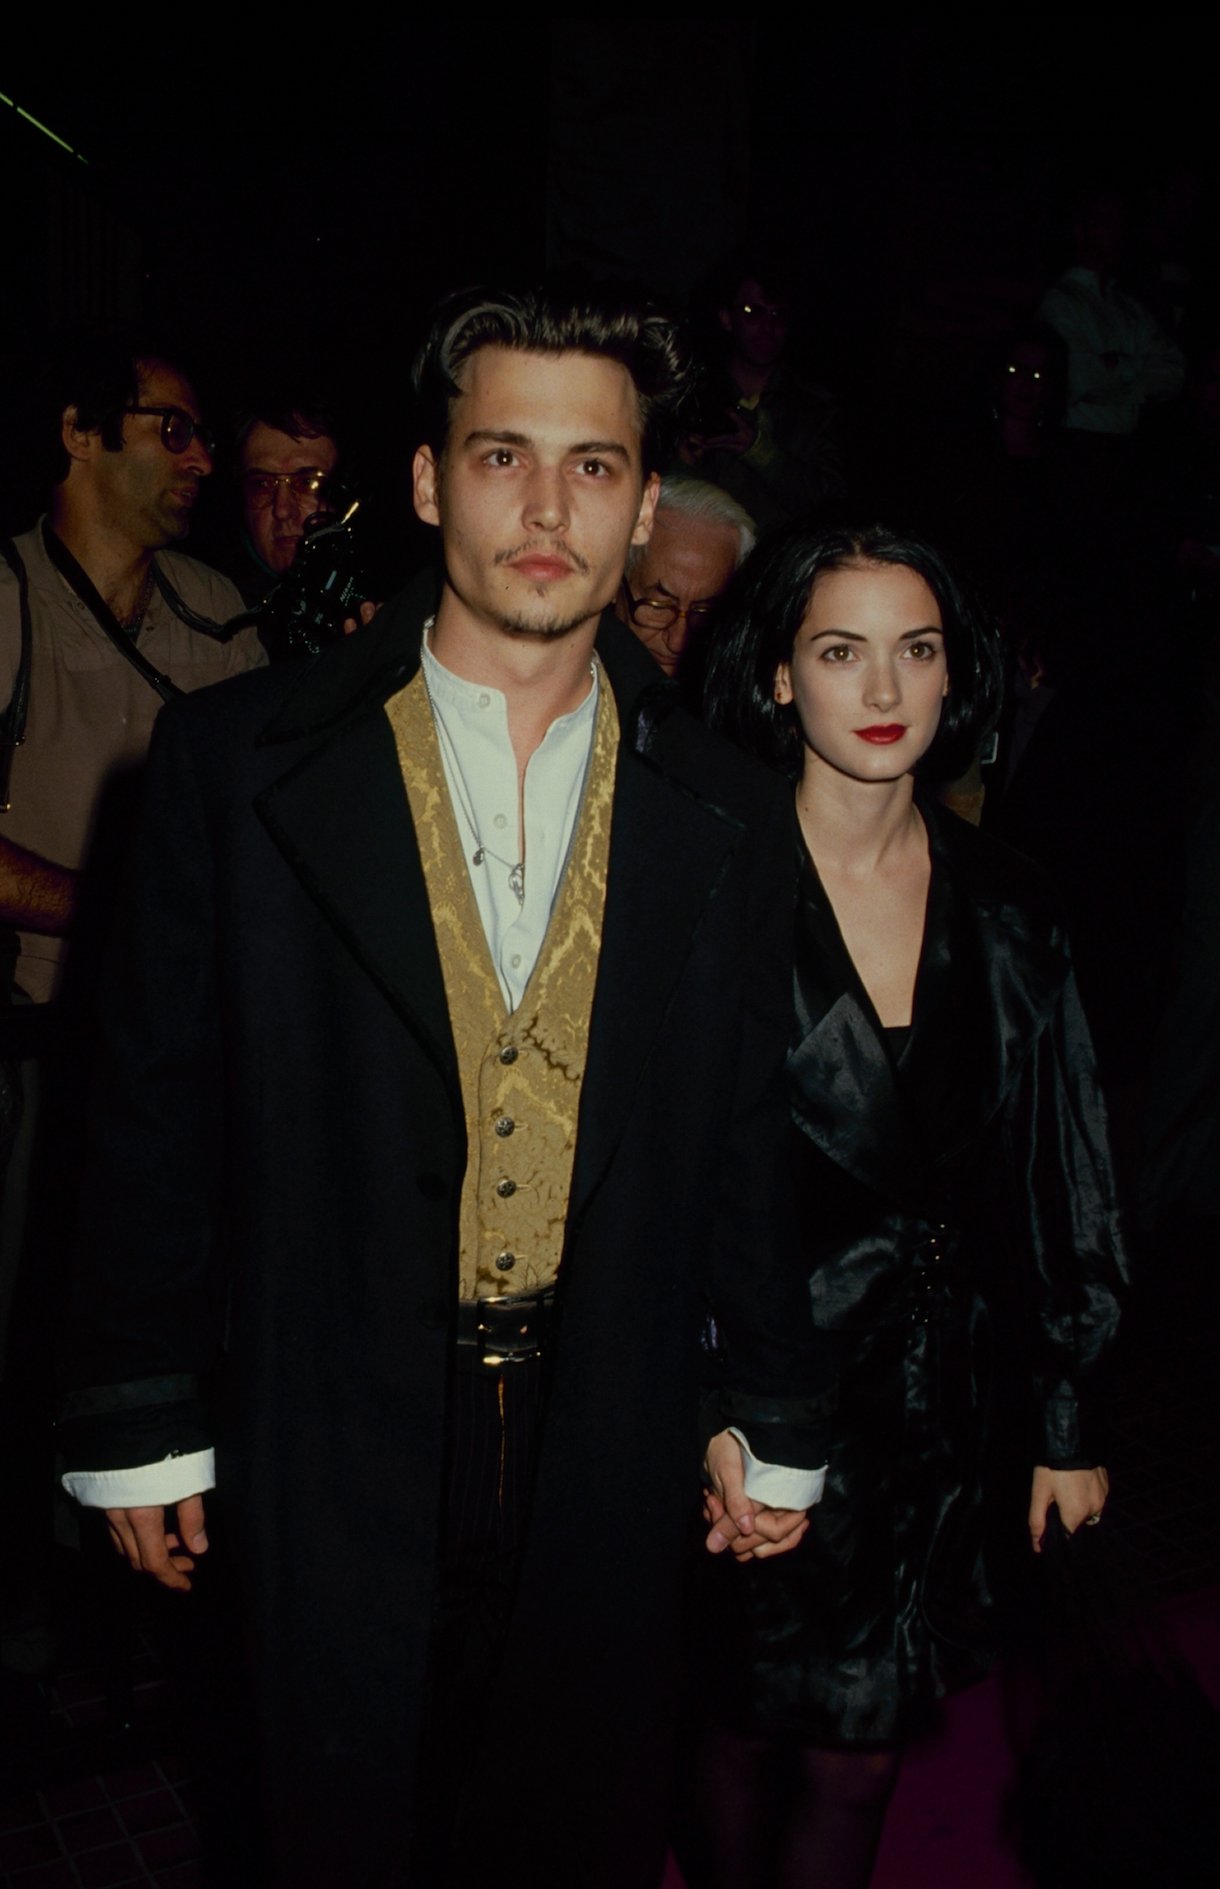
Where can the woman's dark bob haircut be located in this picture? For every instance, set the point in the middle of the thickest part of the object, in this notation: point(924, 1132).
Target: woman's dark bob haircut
point(762, 618)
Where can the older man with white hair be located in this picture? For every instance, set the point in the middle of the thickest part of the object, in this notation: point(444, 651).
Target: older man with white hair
point(700, 536)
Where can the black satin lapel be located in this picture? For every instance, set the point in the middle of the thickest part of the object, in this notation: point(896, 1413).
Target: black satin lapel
point(668, 850)
point(840, 1073)
point(990, 975)
point(342, 820)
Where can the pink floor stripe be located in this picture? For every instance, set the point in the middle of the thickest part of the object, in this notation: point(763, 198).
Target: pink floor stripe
point(945, 1830)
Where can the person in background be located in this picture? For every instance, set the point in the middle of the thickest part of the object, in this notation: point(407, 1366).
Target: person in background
point(700, 536)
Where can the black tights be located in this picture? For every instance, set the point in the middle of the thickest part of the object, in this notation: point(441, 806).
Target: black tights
point(775, 1813)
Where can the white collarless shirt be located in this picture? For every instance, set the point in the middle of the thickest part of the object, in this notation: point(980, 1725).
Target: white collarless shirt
point(481, 774)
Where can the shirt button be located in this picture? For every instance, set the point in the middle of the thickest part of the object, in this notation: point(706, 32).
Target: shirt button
point(515, 960)
point(505, 1126)
point(484, 700)
point(505, 1262)
point(501, 821)
point(508, 1054)
point(506, 1189)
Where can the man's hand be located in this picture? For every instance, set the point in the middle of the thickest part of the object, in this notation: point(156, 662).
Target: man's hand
point(368, 610)
point(750, 1529)
point(151, 1544)
point(1078, 1494)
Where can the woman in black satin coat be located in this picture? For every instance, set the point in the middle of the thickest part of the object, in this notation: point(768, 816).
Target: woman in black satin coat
point(958, 1205)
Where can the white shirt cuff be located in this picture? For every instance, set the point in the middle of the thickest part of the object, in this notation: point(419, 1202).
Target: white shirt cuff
point(147, 1486)
point(779, 1486)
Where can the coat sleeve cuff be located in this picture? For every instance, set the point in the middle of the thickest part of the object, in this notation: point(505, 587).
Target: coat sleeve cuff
point(778, 1485)
point(146, 1486)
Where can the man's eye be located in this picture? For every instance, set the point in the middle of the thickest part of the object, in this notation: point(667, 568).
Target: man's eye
point(501, 456)
point(595, 468)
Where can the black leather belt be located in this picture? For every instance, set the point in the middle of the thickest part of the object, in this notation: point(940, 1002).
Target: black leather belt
point(493, 1332)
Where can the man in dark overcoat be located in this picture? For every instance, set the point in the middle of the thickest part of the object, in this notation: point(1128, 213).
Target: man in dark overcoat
point(457, 922)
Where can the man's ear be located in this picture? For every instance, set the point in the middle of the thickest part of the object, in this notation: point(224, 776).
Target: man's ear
point(648, 508)
point(426, 486)
point(77, 442)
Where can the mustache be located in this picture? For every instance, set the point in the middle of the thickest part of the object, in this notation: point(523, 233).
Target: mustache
point(533, 546)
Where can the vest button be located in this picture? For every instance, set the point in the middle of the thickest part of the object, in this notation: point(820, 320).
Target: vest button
point(505, 1126)
point(505, 1262)
point(508, 1054)
point(506, 1189)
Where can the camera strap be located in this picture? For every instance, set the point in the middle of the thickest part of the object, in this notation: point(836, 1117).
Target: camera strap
point(12, 722)
point(79, 580)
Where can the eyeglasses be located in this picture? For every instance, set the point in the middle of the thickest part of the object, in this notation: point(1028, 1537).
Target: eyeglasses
point(179, 428)
point(308, 482)
point(660, 615)
point(762, 311)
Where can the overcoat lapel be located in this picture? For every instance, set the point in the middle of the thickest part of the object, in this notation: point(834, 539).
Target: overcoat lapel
point(668, 850)
point(839, 1070)
point(989, 976)
point(341, 818)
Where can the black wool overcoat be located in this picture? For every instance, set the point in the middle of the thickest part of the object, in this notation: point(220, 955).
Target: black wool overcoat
point(273, 1211)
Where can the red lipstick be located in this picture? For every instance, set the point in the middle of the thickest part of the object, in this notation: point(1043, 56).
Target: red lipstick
point(882, 734)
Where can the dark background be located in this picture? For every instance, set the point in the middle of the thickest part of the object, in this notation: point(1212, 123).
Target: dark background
point(264, 193)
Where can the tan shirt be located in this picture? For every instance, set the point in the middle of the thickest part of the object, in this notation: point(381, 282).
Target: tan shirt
point(90, 715)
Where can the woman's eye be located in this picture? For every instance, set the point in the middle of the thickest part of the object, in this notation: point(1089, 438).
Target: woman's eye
point(838, 652)
point(922, 652)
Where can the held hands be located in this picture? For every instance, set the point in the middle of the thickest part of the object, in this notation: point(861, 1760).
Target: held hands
point(751, 1529)
point(150, 1544)
point(1078, 1494)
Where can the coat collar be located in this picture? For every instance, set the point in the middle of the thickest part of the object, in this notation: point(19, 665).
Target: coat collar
point(339, 814)
point(991, 968)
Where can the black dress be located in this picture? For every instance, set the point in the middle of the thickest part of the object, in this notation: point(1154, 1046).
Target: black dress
point(965, 1267)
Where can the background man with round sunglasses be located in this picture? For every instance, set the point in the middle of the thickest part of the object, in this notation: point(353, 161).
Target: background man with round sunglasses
point(99, 621)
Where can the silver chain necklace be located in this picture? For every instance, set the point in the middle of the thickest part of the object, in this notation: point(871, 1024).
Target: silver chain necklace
point(482, 851)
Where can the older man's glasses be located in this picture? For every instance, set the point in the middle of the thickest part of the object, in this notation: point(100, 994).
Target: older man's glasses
point(659, 616)
point(178, 428)
point(308, 483)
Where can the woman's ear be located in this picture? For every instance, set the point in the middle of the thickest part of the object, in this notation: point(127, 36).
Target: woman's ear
point(783, 685)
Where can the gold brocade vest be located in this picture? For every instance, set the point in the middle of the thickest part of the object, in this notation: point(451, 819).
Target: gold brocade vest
point(521, 1074)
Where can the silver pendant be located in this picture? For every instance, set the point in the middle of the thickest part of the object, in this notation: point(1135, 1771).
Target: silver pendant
point(476, 859)
point(516, 881)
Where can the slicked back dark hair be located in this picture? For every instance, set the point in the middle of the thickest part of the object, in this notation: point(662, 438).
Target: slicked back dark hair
point(762, 617)
point(540, 321)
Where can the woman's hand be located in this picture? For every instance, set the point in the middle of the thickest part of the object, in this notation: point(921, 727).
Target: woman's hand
point(750, 1529)
point(1078, 1494)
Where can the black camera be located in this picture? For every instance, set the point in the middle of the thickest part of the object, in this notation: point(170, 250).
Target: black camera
point(320, 591)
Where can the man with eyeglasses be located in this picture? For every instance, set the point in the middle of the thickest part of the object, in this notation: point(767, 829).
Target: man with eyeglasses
point(286, 463)
point(700, 536)
point(100, 620)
